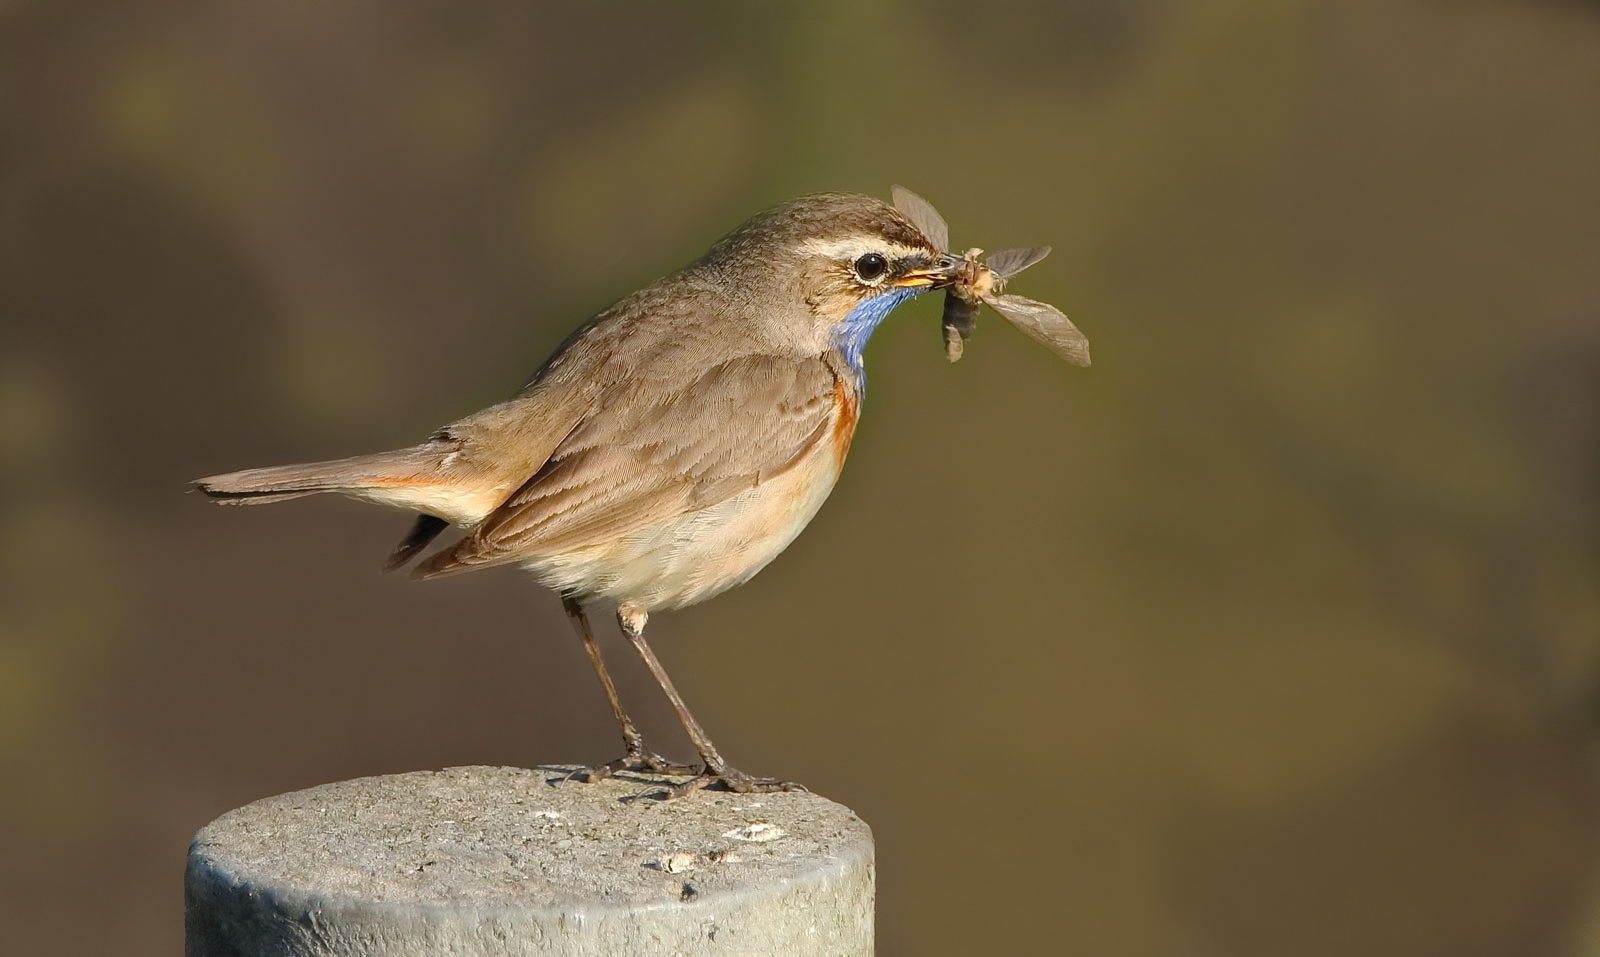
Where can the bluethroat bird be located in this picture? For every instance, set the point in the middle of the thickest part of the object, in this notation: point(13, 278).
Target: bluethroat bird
point(673, 445)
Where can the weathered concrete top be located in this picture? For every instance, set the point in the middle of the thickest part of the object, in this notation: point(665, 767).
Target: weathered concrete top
point(509, 835)
point(520, 848)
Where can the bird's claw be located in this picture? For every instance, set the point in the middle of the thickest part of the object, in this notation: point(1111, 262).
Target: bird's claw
point(726, 779)
point(638, 760)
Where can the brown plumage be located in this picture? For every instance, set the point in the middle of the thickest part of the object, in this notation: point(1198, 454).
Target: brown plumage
point(674, 444)
point(671, 447)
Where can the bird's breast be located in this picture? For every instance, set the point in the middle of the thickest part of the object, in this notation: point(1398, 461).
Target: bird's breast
point(700, 553)
point(847, 406)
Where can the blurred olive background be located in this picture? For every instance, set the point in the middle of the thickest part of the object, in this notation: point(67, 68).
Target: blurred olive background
point(1275, 632)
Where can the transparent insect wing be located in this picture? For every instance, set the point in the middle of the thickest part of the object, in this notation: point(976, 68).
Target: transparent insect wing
point(922, 215)
point(1009, 262)
point(1045, 323)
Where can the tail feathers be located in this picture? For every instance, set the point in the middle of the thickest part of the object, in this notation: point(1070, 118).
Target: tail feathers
point(258, 486)
point(403, 479)
point(434, 478)
point(247, 498)
point(359, 475)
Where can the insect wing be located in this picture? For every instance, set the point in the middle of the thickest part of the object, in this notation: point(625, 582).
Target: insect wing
point(1045, 323)
point(922, 215)
point(1009, 262)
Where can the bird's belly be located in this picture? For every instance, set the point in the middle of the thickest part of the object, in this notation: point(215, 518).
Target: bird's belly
point(698, 554)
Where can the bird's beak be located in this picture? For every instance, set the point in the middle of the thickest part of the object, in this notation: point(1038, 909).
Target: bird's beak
point(942, 272)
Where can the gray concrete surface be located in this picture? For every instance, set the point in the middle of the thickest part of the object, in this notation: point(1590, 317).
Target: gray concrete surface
point(481, 861)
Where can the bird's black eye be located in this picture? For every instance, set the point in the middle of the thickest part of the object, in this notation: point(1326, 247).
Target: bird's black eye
point(871, 267)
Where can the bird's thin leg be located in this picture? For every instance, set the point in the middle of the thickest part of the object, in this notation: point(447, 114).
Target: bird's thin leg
point(638, 757)
point(717, 770)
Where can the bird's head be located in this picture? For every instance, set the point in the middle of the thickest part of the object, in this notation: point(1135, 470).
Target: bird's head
point(830, 267)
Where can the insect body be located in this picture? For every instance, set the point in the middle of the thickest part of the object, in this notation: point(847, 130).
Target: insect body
point(981, 282)
point(961, 302)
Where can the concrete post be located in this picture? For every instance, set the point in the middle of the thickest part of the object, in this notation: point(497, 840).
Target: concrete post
point(505, 861)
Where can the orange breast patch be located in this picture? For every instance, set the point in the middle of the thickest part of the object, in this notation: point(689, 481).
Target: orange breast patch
point(848, 407)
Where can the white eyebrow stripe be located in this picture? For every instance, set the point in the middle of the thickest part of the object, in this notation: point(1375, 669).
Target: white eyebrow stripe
point(850, 247)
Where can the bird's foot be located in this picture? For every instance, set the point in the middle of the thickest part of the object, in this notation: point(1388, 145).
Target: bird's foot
point(639, 760)
point(721, 779)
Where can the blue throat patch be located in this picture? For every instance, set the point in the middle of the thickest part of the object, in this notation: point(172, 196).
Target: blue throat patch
point(853, 331)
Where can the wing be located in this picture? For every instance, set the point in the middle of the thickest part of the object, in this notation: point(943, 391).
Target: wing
point(1045, 323)
point(922, 215)
point(1009, 262)
point(648, 452)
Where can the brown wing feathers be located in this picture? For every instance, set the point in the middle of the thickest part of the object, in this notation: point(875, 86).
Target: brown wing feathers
point(634, 462)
